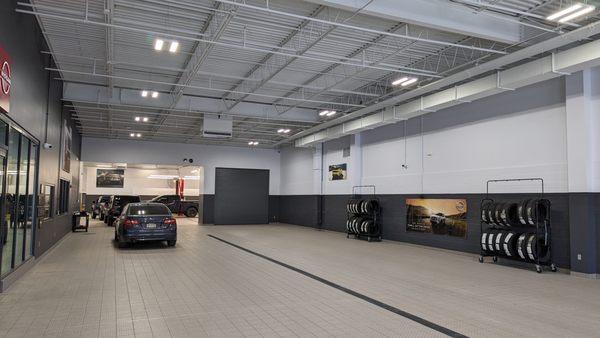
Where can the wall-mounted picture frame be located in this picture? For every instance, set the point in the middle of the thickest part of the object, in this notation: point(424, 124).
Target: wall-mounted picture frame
point(110, 178)
point(338, 172)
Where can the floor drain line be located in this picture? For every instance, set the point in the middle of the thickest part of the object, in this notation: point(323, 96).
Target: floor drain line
point(373, 301)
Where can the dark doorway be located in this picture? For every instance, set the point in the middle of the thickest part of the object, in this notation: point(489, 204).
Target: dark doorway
point(241, 196)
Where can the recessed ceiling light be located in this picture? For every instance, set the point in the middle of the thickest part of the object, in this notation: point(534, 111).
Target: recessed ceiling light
point(145, 119)
point(255, 143)
point(154, 95)
point(174, 46)
point(409, 82)
point(280, 130)
point(286, 131)
point(399, 81)
point(158, 44)
point(137, 119)
point(144, 93)
point(132, 135)
point(331, 113)
point(581, 12)
point(324, 112)
point(138, 135)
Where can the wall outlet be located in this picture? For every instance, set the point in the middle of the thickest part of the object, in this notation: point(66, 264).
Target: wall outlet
point(578, 257)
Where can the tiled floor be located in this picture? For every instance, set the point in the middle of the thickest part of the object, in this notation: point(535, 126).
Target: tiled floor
point(203, 287)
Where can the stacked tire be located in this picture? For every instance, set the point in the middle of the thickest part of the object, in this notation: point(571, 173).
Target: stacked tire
point(359, 206)
point(361, 218)
point(361, 226)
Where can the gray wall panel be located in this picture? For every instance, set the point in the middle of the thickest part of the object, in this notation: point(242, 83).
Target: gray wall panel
point(241, 196)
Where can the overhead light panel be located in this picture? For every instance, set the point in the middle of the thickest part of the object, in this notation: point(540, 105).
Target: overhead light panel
point(154, 95)
point(145, 119)
point(144, 93)
point(138, 135)
point(283, 131)
point(158, 44)
point(399, 81)
point(132, 134)
point(331, 113)
point(286, 131)
point(574, 11)
point(174, 46)
point(137, 119)
point(409, 82)
point(252, 143)
point(324, 112)
point(588, 9)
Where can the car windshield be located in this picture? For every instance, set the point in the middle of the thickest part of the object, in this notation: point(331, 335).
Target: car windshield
point(123, 200)
point(148, 209)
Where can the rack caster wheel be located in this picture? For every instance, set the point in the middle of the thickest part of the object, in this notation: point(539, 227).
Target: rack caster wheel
point(368, 239)
point(538, 269)
point(553, 267)
point(480, 259)
point(495, 259)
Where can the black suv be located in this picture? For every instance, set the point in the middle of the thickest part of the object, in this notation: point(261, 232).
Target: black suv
point(116, 205)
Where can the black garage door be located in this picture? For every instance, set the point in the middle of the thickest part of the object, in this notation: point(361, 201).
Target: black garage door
point(241, 196)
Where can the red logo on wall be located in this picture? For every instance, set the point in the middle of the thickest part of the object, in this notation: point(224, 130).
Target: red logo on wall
point(5, 81)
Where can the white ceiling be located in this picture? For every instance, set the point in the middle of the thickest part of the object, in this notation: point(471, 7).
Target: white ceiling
point(269, 66)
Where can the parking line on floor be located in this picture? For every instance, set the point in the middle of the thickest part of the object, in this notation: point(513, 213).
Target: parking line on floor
point(366, 298)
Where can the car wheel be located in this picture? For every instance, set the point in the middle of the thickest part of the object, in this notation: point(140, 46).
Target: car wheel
point(191, 212)
point(101, 217)
point(172, 243)
point(116, 236)
point(110, 222)
point(122, 245)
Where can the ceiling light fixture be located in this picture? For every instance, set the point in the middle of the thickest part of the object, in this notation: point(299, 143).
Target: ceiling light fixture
point(174, 46)
point(145, 119)
point(409, 82)
point(280, 130)
point(132, 135)
point(252, 143)
point(138, 135)
point(324, 112)
point(144, 93)
point(399, 81)
point(565, 11)
point(137, 119)
point(331, 113)
point(286, 131)
point(154, 95)
point(581, 12)
point(158, 44)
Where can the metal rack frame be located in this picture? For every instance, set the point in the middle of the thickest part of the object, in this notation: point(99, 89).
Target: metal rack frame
point(542, 227)
point(375, 215)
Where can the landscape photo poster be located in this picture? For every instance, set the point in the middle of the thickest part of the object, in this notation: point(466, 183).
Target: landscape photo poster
point(437, 216)
point(337, 172)
point(110, 178)
point(67, 143)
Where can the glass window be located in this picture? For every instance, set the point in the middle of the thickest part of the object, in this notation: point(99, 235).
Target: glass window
point(46, 204)
point(63, 196)
point(3, 133)
point(21, 211)
point(154, 209)
point(8, 235)
point(30, 201)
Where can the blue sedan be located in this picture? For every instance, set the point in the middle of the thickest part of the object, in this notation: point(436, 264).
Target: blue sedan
point(141, 222)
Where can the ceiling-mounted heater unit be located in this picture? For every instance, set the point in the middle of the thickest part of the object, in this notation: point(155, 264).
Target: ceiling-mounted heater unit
point(217, 126)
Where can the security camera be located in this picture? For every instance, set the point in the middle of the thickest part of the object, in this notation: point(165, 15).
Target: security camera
point(48, 146)
point(185, 160)
point(191, 160)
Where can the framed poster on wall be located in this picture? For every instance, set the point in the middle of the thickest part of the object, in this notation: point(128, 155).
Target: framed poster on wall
point(110, 178)
point(67, 142)
point(437, 216)
point(337, 172)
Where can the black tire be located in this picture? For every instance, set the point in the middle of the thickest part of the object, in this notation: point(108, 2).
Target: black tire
point(94, 215)
point(101, 217)
point(110, 222)
point(510, 244)
point(483, 241)
point(536, 210)
point(522, 212)
point(116, 236)
point(172, 243)
point(522, 246)
point(498, 241)
point(122, 245)
point(485, 217)
point(191, 212)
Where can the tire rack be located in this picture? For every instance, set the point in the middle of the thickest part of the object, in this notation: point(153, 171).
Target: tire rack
point(375, 215)
point(542, 227)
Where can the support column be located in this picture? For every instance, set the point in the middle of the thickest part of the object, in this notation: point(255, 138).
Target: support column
point(583, 134)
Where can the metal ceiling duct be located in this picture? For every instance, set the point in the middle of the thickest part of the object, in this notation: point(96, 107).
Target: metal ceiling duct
point(554, 65)
point(581, 55)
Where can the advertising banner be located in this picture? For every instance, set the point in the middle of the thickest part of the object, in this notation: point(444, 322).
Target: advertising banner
point(5, 81)
point(437, 216)
point(110, 178)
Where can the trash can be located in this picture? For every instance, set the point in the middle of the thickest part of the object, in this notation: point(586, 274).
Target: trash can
point(76, 222)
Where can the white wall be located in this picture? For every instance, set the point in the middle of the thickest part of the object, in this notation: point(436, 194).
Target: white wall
point(515, 134)
point(297, 171)
point(209, 157)
point(137, 182)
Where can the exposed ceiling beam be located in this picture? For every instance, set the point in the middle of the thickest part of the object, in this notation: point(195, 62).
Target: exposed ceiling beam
point(436, 14)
